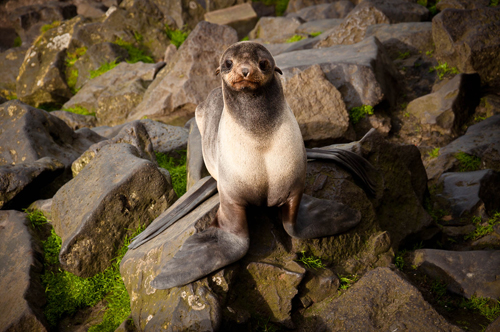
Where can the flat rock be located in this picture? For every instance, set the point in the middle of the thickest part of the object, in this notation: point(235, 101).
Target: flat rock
point(467, 273)
point(371, 12)
point(242, 18)
point(338, 9)
point(188, 78)
point(23, 295)
point(469, 40)
point(115, 193)
point(275, 29)
point(363, 73)
point(469, 192)
point(75, 121)
point(382, 300)
point(24, 183)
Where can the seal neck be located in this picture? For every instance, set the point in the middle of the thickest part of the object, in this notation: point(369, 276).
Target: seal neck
point(258, 111)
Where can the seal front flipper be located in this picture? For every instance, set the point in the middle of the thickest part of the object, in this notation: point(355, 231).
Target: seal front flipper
point(201, 254)
point(320, 217)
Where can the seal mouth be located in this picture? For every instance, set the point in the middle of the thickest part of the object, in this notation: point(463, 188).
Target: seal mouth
point(245, 84)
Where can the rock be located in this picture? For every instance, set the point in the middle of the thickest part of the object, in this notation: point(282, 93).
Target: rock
point(467, 273)
point(296, 5)
point(114, 94)
point(195, 165)
point(318, 26)
point(317, 286)
point(24, 183)
point(481, 140)
point(275, 29)
point(495, 326)
point(489, 105)
point(446, 110)
point(10, 62)
point(413, 37)
point(23, 295)
point(461, 4)
point(166, 139)
point(362, 73)
point(91, 8)
point(114, 194)
point(318, 107)
point(127, 326)
point(338, 9)
point(381, 300)
point(380, 122)
point(367, 13)
point(242, 18)
point(75, 121)
point(469, 193)
point(186, 81)
point(468, 40)
point(44, 205)
point(28, 134)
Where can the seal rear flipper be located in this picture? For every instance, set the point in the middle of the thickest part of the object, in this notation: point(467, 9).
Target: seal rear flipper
point(201, 254)
point(191, 200)
point(320, 217)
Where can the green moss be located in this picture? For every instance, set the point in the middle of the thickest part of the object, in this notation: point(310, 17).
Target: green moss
point(311, 262)
point(399, 259)
point(315, 34)
point(481, 229)
point(442, 69)
point(404, 55)
point(295, 38)
point(52, 25)
point(347, 281)
point(246, 38)
point(176, 36)
point(494, 3)
point(17, 42)
point(107, 66)
point(488, 308)
point(434, 153)
point(36, 218)
point(467, 163)
point(430, 4)
point(79, 110)
point(72, 57)
point(357, 113)
point(177, 170)
point(135, 54)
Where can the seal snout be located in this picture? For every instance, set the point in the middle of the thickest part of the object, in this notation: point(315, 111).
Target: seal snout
point(245, 71)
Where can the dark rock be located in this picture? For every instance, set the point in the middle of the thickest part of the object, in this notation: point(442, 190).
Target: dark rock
point(317, 286)
point(371, 12)
point(188, 78)
point(75, 121)
point(495, 326)
point(362, 73)
point(296, 5)
point(469, 193)
point(91, 8)
point(23, 295)
point(115, 193)
point(489, 105)
point(338, 9)
point(242, 18)
point(381, 300)
point(275, 29)
point(378, 121)
point(461, 4)
point(127, 326)
point(467, 273)
point(24, 183)
point(469, 40)
point(10, 62)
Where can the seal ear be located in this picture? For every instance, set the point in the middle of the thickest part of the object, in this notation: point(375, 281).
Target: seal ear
point(217, 71)
point(278, 70)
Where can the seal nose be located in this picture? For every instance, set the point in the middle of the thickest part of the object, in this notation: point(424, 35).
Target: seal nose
point(245, 72)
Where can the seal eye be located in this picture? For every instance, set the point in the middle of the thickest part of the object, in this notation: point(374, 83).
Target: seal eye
point(263, 64)
point(229, 64)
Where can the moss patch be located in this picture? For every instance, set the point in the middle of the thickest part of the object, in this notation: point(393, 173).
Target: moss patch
point(135, 54)
point(177, 170)
point(79, 110)
point(467, 162)
point(176, 36)
point(357, 113)
point(105, 67)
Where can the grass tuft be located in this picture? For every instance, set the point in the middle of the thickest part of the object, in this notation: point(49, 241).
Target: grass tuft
point(357, 113)
point(399, 259)
point(483, 229)
point(347, 281)
point(134, 54)
point(52, 25)
point(442, 69)
point(488, 308)
point(434, 153)
point(315, 34)
point(36, 218)
point(177, 170)
point(467, 162)
point(79, 110)
point(311, 262)
point(404, 55)
point(105, 67)
point(176, 36)
point(295, 38)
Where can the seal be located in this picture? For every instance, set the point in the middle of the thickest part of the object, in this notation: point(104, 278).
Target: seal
point(253, 148)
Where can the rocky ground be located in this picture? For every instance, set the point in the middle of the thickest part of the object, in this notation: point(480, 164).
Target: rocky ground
point(94, 95)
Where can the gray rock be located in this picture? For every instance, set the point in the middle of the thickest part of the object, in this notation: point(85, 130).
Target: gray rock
point(371, 12)
point(467, 273)
point(75, 121)
point(186, 81)
point(461, 4)
point(24, 183)
point(296, 5)
point(23, 295)
point(114, 194)
point(469, 192)
point(195, 165)
point(275, 29)
point(318, 25)
point(338, 9)
point(242, 18)
point(318, 107)
point(107, 131)
point(44, 205)
point(460, 37)
point(413, 37)
point(362, 73)
point(165, 138)
point(381, 300)
point(481, 140)
point(28, 134)
point(114, 94)
point(10, 62)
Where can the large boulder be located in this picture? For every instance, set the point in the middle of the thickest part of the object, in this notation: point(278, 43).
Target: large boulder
point(275, 29)
point(22, 294)
point(469, 40)
point(114, 194)
point(242, 18)
point(370, 12)
point(363, 73)
point(188, 78)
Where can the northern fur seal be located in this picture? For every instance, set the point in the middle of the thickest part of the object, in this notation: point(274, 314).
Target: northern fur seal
point(253, 148)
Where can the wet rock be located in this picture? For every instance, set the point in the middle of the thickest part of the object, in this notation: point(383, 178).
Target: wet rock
point(188, 78)
point(23, 295)
point(380, 300)
point(115, 193)
point(195, 165)
point(362, 73)
point(469, 192)
point(275, 29)
point(10, 62)
point(467, 273)
point(371, 12)
point(75, 121)
point(318, 107)
point(338, 9)
point(242, 18)
point(469, 40)
point(24, 183)
point(114, 94)
point(481, 140)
